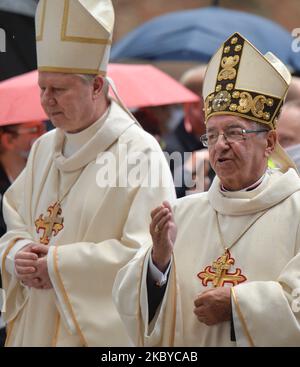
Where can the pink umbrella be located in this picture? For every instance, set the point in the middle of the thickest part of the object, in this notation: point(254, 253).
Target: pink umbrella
point(137, 85)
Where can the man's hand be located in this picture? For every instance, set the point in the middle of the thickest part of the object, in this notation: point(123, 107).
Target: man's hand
point(31, 266)
point(42, 266)
point(163, 231)
point(213, 306)
point(25, 264)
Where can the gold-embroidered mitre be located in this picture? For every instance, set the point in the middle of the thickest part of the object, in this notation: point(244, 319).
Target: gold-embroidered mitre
point(74, 36)
point(239, 80)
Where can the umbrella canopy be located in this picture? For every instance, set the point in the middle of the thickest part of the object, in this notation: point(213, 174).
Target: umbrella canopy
point(24, 7)
point(195, 35)
point(137, 85)
point(146, 85)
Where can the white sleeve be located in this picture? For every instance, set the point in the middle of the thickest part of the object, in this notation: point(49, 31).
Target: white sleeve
point(241, 339)
point(61, 304)
point(10, 258)
point(159, 277)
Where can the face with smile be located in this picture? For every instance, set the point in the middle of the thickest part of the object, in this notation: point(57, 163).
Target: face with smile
point(240, 163)
point(69, 101)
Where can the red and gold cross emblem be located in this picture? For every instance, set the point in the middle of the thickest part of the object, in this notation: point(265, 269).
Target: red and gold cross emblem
point(50, 224)
point(218, 274)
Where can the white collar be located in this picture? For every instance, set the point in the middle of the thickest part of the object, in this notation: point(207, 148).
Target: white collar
point(73, 142)
point(248, 188)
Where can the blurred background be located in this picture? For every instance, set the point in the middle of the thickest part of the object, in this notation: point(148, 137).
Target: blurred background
point(133, 13)
point(16, 18)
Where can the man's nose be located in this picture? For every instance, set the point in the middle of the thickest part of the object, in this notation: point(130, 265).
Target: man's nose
point(51, 101)
point(221, 142)
point(47, 98)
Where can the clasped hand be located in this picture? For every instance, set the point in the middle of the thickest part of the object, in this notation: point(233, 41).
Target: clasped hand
point(213, 306)
point(31, 266)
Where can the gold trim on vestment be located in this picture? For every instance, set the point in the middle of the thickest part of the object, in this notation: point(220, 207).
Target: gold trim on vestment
point(241, 317)
point(6, 252)
point(9, 328)
point(65, 296)
point(10, 324)
point(173, 270)
point(57, 324)
point(140, 331)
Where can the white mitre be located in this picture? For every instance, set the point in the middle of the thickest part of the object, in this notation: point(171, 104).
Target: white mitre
point(74, 36)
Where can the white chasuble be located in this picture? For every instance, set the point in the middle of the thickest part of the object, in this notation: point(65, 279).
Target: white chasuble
point(99, 228)
point(268, 255)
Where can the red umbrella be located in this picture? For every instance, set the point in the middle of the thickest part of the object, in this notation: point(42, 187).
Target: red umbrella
point(137, 85)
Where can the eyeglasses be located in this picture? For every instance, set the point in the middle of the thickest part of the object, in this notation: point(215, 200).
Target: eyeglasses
point(231, 135)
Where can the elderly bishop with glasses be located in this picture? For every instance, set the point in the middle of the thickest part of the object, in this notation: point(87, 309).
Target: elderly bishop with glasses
point(223, 268)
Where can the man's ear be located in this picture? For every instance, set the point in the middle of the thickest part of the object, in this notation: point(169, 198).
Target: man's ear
point(98, 86)
point(271, 142)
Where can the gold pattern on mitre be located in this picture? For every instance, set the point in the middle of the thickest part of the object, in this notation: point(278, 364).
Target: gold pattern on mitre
point(221, 101)
point(248, 83)
point(228, 71)
point(74, 36)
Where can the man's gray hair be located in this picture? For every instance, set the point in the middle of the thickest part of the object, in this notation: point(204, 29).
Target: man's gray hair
point(89, 78)
point(257, 126)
